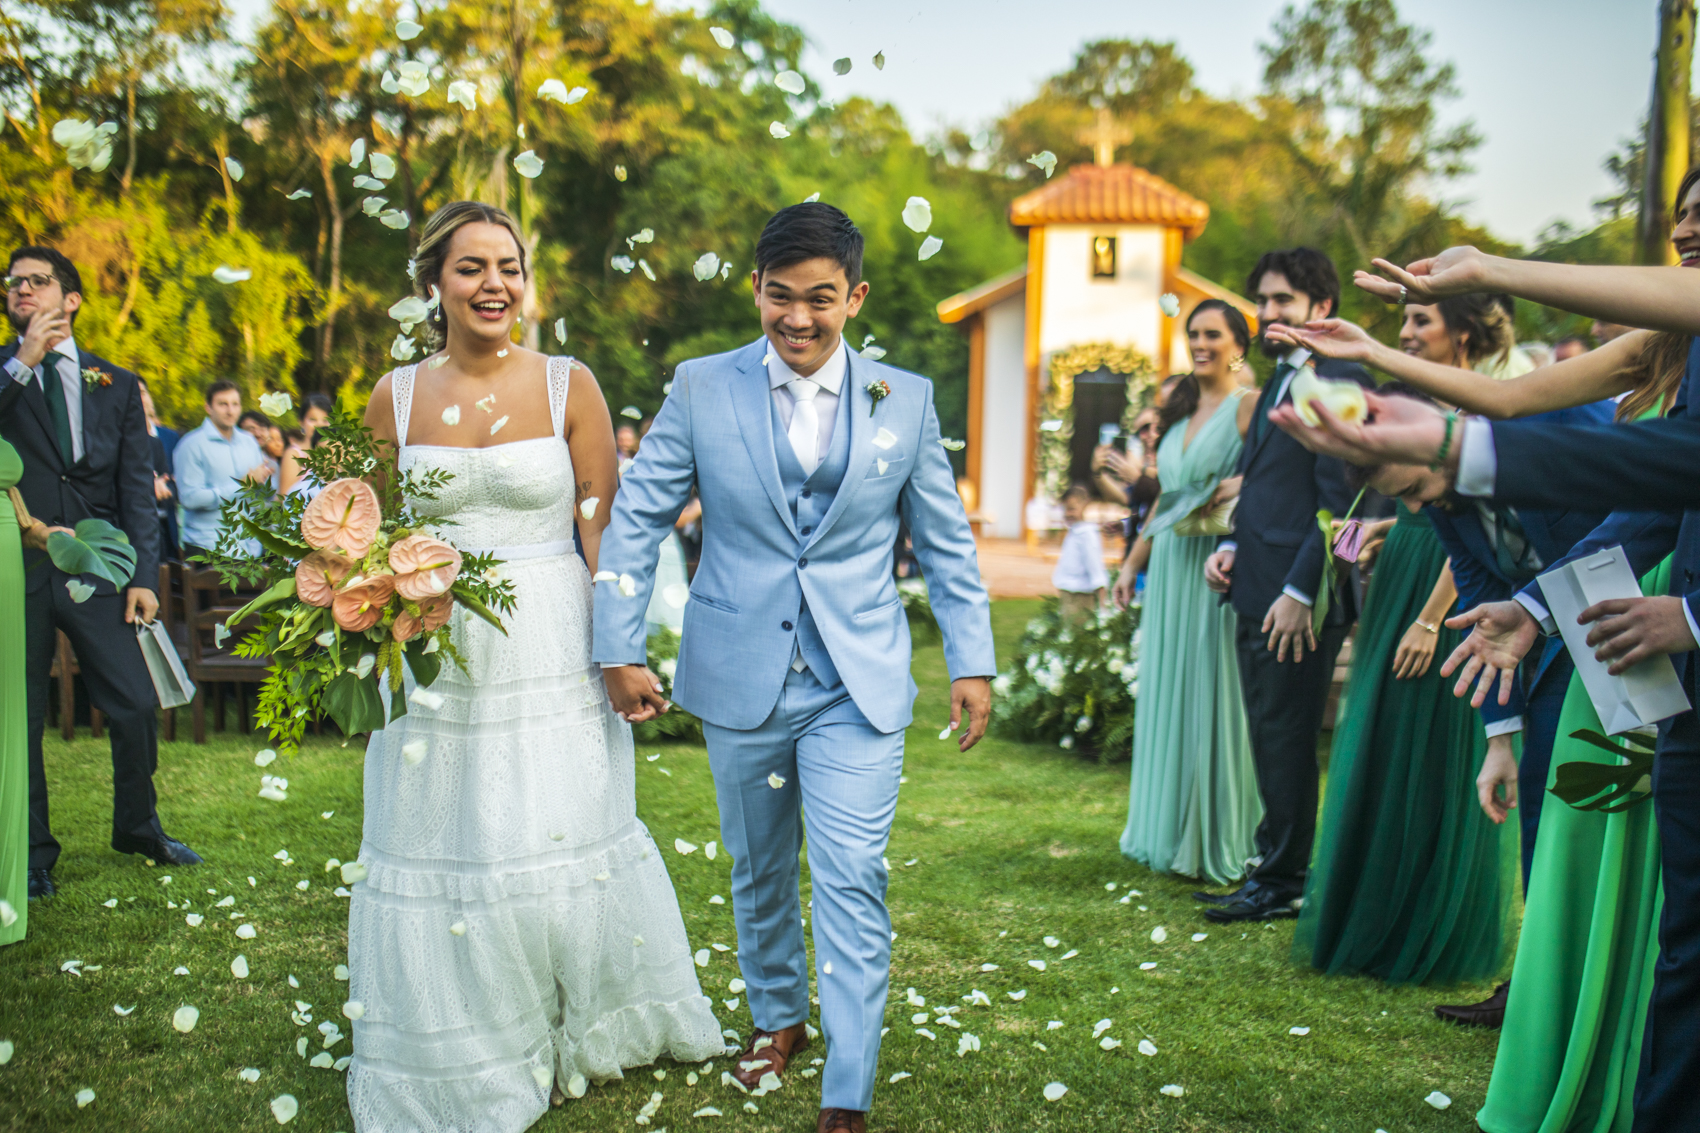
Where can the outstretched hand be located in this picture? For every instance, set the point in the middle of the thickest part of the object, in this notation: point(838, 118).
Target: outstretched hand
point(1455, 271)
point(635, 692)
point(1501, 635)
point(1331, 338)
point(972, 695)
point(1398, 430)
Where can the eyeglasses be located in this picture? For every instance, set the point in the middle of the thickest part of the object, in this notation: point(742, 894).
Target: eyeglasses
point(36, 282)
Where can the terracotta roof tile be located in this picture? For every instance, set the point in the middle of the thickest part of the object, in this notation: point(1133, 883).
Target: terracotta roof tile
point(1115, 194)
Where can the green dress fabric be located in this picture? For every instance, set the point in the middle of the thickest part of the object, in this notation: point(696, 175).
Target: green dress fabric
point(1410, 882)
point(1193, 805)
point(1584, 974)
point(14, 714)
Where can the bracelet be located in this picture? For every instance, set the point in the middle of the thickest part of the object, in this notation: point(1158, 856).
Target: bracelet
point(1432, 629)
point(1445, 443)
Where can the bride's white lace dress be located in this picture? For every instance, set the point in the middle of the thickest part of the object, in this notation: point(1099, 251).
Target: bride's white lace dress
point(517, 925)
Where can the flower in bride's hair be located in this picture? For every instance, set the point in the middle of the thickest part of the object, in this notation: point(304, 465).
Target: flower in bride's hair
point(433, 612)
point(318, 576)
point(343, 517)
point(424, 567)
point(357, 608)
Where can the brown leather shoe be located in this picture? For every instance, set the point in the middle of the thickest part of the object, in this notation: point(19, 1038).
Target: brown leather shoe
point(768, 1052)
point(842, 1121)
point(1490, 1012)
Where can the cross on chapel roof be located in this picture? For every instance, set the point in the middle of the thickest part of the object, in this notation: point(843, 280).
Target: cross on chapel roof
point(1104, 137)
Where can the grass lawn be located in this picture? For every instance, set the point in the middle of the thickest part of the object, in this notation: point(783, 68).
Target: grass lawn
point(1011, 843)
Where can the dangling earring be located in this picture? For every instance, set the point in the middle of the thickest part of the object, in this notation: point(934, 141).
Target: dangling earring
point(1237, 364)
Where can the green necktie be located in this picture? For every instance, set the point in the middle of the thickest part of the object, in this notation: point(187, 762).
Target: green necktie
point(54, 389)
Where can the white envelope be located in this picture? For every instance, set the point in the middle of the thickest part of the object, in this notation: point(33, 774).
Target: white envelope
point(170, 682)
point(1644, 695)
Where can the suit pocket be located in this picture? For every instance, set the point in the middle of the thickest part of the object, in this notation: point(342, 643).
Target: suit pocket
point(878, 611)
point(885, 466)
point(1285, 538)
point(713, 603)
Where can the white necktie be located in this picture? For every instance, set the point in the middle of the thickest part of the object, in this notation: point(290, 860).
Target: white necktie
point(805, 423)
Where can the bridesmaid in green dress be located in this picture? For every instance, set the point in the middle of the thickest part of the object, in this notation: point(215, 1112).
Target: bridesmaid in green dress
point(1193, 803)
point(14, 716)
point(1410, 881)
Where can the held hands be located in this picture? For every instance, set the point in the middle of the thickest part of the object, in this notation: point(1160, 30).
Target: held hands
point(1415, 653)
point(140, 604)
point(1455, 271)
point(1219, 571)
point(1226, 490)
point(972, 695)
point(635, 692)
point(1630, 630)
point(1496, 786)
point(1503, 635)
point(1288, 625)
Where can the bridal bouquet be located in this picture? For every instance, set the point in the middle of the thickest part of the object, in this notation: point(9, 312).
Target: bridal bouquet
point(358, 588)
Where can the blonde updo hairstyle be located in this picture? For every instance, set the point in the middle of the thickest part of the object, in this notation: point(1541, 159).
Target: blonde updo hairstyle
point(433, 251)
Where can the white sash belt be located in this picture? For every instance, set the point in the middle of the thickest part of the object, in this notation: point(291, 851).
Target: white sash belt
point(528, 551)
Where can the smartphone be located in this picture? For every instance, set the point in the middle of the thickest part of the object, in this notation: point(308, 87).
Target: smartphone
point(1107, 433)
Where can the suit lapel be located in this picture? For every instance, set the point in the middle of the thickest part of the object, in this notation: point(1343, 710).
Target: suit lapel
point(860, 414)
point(32, 397)
point(1262, 428)
point(94, 402)
point(752, 405)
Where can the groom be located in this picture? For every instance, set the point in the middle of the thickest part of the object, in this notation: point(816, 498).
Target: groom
point(795, 651)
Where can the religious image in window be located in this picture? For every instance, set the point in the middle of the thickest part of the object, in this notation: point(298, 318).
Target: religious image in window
point(1104, 257)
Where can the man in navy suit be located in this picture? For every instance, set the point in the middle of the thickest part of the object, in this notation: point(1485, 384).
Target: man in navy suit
point(1271, 569)
point(77, 421)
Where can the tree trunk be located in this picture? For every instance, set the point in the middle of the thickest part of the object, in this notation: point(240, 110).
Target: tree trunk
point(333, 286)
point(129, 135)
point(1667, 147)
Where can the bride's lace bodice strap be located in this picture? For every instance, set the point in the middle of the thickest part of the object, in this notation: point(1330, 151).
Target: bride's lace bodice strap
point(560, 370)
point(401, 399)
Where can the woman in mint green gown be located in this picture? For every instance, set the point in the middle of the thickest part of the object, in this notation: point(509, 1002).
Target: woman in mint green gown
point(1193, 804)
point(1410, 882)
point(1578, 1007)
point(14, 716)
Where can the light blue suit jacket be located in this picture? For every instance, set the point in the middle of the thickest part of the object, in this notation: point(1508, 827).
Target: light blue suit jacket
point(715, 430)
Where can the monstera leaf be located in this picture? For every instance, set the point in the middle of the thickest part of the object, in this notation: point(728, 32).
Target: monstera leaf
point(354, 704)
point(97, 548)
point(1586, 785)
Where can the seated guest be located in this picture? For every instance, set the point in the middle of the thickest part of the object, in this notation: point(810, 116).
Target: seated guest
point(212, 462)
point(163, 440)
point(268, 436)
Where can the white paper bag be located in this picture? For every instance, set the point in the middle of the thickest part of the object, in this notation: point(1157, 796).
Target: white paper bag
point(1644, 695)
point(170, 682)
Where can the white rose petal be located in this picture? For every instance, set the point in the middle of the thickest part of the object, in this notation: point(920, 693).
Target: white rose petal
point(790, 82)
point(1172, 1092)
point(609, 576)
point(775, 780)
point(383, 167)
point(180, 971)
point(1438, 1100)
point(393, 218)
point(425, 698)
point(988, 967)
point(528, 164)
point(628, 586)
point(683, 846)
point(463, 93)
point(1149, 965)
point(779, 130)
point(414, 750)
point(403, 348)
point(1198, 936)
point(884, 438)
point(967, 1043)
point(707, 264)
point(588, 508)
point(121, 1011)
point(554, 90)
point(1101, 1026)
point(353, 873)
point(372, 206)
point(1147, 1048)
point(194, 920)
point(898, 1077)
point(1051, 942)
point(561, 331)
point(917, 214)
point(234, 168)
point(1169, 303)
point(701, 957)
point(930, 248)
point(111, 903)
point(707, 1111)
point(1039, 965)
point(239, 967)
point(248, 1074)
point(1159, 934)
point(451, 415)
point(717, 899)
point(1045, 160)
point(1054, 1091)
point(303, 884)
point(284, 1108)
point(226, 274)
point(321, 1061)
point(85, 1096)
point(623, 264)
point(185, 1018)
point(576, 1086)
point(1108, 1043)
point(407, 29)
point(458, 929)
point(723, 37)
point(1300, 1031)
point(299, 195)
point(712, 850)
point(246, 932)
point(1018, 996)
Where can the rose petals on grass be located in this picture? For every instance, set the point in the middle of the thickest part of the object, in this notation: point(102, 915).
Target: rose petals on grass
point(1300, 1031)
point(248, 1074)
point(1199, 936)
point(1438, 1100)
point(1037, 965)
point(898, 1077)
point(246, 932)
point(122, 1011)
point(1018, 996)
point(683, 846)
point(1054, 1091)
point(85, 1097)
point(1172, 1092)
point(1159, 934)
point(284, 1108)
point(988, 967)
point(966, 1044)
point(185, 1018)
point(1147, 1048)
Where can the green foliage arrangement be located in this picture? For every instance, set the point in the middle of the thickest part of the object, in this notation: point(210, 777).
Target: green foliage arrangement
point(1073, 683)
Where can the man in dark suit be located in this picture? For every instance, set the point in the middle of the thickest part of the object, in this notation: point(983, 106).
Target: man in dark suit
point(1271, 569)
point(77, 422)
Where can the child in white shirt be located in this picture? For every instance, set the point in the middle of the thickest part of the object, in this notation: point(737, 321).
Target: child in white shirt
point(1080, 577)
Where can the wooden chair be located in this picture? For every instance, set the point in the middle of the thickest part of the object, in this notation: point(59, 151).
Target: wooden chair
point(171, 614)
point(64, 673)
point(206, 603)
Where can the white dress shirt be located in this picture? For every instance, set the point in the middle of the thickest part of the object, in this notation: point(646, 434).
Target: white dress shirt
point(70, 375)
point(1080, 564)
point(830, 378)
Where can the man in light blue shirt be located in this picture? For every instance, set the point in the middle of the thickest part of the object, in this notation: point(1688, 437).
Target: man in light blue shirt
point(212, 462)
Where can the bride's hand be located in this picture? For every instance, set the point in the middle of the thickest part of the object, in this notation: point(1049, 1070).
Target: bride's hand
point(1331, 338)
point(635, 692)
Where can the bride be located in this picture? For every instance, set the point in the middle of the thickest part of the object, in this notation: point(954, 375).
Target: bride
point(517, 933)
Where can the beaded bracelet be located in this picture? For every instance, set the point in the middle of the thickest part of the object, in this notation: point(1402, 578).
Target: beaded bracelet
point(1445, 443)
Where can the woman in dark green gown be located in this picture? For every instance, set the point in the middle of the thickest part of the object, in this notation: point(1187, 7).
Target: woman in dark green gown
point(1410, 881)
point(14, 715)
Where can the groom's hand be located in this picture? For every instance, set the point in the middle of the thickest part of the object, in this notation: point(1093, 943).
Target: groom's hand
point(973, 695)
point(634, 691)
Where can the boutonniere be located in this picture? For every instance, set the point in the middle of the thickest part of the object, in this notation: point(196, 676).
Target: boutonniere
point(95, 376)
point(877, 391)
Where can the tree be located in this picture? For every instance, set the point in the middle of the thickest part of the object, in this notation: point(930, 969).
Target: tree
point(1666, 153)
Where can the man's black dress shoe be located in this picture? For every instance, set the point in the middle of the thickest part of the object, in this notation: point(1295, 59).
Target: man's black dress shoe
point(41, 884)
point(1490, 1012)
point(1262, 904)
point(1240, 894)
point(161, 849)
